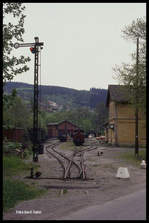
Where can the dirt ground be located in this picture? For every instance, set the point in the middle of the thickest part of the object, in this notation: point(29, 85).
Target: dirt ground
point(65, 197)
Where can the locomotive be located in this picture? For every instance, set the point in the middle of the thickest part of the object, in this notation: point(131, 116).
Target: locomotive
point(78, 137)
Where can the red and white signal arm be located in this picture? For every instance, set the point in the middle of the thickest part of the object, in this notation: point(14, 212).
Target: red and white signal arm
point(32, 49)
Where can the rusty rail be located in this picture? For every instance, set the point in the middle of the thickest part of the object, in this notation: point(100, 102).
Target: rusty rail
point(81, 167)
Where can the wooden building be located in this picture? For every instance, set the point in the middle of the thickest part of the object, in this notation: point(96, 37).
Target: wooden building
point(64, 127)
point(14, 134)
point(120, 128)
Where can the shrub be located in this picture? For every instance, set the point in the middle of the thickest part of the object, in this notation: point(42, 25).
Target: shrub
point(9, 147)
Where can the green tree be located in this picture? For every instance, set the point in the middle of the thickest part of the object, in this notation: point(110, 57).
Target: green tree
point(15, 112)
point(126, 73)
point(13, 30)
point(8, 102)
point(81, 117)
point(101, 116)
point(87, 125)
point(42, 123)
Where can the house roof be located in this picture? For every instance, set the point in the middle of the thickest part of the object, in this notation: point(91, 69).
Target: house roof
point(58, 123)
point(118, 93)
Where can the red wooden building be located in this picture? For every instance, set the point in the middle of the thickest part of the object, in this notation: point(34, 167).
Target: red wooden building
point(14, 134)
point(64, 127)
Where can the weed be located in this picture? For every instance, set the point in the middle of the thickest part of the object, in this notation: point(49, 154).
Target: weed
point(65, 191)
point(130, 156)
point(15, 190)
point(67, 146)
point(62, 191)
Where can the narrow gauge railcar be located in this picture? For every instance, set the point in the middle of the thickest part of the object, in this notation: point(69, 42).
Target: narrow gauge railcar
point(62, 137)
point(78, 137)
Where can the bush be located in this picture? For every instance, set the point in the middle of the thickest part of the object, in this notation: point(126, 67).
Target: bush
point(9, 147)
point(15, 148)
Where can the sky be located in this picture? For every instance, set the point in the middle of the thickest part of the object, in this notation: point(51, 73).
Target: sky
point(82, 42)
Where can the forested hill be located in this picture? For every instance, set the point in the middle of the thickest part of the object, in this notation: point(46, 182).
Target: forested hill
point(67, 98)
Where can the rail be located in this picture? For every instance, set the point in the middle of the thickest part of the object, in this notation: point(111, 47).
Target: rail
point(70, 162)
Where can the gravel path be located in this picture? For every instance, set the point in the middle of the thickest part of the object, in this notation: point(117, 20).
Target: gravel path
point(64, 197)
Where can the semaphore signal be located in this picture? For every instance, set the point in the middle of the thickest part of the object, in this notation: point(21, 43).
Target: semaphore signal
point(34, 48)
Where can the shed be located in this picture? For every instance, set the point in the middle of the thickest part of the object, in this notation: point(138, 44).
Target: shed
point(63, 127)
point(14, 134)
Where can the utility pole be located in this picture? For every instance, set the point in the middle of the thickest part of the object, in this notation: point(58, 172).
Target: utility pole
point(34, 49)
point(136, 111)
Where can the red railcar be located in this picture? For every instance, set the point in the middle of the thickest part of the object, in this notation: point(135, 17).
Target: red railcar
point(78, 137)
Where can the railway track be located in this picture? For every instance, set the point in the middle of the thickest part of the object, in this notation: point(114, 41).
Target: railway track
point(69, 163)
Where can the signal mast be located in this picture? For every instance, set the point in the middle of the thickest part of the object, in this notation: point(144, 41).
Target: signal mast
point(34, 48)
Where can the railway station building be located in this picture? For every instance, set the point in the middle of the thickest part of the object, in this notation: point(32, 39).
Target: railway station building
point(120, 128)
point(59, 128)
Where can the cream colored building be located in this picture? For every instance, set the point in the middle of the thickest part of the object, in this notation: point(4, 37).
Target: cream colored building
point(120, 129)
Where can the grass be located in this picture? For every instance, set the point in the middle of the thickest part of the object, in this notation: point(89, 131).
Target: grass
point(13, 165)
point(130, 156)
point(62, 192)
point(15, 191)
point(67, 145)
point(25, 88)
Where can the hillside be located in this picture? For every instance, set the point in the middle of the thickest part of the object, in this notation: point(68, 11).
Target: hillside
point(58, 97)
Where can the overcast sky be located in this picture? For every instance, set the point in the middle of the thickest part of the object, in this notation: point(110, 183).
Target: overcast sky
point(82, 42)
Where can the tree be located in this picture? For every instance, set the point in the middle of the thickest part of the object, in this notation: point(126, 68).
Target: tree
point(101, 117)
point(81, 117)
point(15, 112)
point(87, 125)
point(13, 22)
point(8, 102)
point(126, 73)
